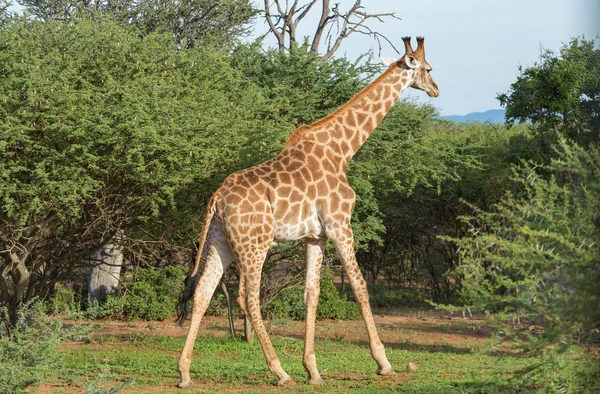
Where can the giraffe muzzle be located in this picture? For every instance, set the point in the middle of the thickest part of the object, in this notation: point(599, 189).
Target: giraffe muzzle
point(433, 93)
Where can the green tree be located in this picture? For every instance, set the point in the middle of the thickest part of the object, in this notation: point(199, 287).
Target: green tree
point(299, 83)
point(4, 9)
point(216, 22)
point(560, 93)
point(536, 256)
point(420, 168)
point(101, 130)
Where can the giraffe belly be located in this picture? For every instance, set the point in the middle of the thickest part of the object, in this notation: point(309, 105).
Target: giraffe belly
point(300, 229)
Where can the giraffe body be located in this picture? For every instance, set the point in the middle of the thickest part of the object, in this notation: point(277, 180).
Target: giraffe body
point(302, 193)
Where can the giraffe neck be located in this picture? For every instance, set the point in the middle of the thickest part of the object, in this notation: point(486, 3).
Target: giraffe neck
point(357, 121)
point(350, 126)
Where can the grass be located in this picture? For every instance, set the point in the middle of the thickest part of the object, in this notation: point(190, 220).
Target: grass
point(449, 360)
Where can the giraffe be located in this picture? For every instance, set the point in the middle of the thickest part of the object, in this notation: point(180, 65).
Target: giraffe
point(301, 194)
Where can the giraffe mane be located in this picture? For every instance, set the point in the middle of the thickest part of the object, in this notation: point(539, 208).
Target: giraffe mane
point(306, 129)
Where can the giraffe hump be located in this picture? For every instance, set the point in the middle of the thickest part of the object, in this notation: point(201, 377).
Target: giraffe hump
point(297, 135)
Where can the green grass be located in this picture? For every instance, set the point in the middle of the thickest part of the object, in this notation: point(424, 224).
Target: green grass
point(149, 363)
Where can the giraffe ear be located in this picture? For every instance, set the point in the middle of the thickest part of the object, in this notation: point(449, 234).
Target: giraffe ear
point(388, 61)
point(411, 61)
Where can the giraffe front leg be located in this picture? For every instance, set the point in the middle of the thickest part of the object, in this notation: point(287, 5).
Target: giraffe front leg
point(253, 310)
point(314, 258)
point(344, 244)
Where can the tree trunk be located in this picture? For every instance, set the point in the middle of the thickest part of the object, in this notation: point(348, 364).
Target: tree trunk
point(105, 274)
point(20, 276)
point(229, 309)
point(343, 287)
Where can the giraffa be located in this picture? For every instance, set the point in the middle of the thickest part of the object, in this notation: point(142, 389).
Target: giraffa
point(302, 193)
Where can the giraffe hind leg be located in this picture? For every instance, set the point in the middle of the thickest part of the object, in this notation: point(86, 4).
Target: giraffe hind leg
point(253, 310)
point(218, 257)
point(250, 261)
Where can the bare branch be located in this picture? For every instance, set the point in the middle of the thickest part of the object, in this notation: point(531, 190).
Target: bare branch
point(305, 9)
point(279, 35)
point(345, 23)
point(323, 21)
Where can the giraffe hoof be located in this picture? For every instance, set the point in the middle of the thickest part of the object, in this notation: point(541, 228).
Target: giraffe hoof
point(183, 385)
point(386, 372)
point(286, 382)
point(316, 382)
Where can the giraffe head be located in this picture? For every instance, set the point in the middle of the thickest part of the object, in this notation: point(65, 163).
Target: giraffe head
point(415, 60)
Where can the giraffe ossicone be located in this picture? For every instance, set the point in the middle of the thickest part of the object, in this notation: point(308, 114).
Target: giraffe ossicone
point(302, 193)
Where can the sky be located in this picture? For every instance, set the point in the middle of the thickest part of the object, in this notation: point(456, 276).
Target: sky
point(474, 46)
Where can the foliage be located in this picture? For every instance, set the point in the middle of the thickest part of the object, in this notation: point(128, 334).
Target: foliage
point(561, 93)
point(420, 168)
point(393, 297)
point(302, 86)
point(98, 384)
point(102, 130)
point(66, 301)
point(4, 10)
point(149, 294)
point(210, 22)
point(536, 254)
point(217, 23)
point(289, 303)
point(564, 369)
point(29, 354)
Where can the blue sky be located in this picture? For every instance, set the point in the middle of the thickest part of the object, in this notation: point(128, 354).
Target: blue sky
point(475, 46)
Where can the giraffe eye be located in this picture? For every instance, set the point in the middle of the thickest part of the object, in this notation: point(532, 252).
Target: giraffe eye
point(428, 71)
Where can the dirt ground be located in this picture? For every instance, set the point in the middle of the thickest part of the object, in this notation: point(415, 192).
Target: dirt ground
point(419, 328)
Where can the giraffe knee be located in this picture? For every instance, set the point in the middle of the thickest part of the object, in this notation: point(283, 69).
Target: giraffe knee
point(311, 294)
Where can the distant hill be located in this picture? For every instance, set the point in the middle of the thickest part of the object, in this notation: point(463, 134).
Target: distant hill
point(492, 116)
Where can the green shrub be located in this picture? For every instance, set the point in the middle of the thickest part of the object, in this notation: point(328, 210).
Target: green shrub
point(385, 297)
point(218, 304)
point(29, 354)
point(150, 294)
point(537, 256)
point(65, 301)
point(332, 305)
point(290, 303)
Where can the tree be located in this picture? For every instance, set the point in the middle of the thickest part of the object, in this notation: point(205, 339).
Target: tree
point(414, 165)
point(216, 22)
point(300, 83)
point(536, 256)
point(4, 9)
point(560, 93)
point(283, 23)
point(102, 130)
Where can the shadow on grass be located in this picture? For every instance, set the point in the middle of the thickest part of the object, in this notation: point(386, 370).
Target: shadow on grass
point(412, 347)
point(480, 331)
point(467, 387)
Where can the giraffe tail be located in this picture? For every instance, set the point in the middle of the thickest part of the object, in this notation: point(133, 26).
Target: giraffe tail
point(191, 281)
